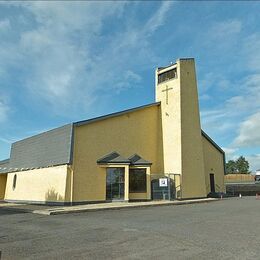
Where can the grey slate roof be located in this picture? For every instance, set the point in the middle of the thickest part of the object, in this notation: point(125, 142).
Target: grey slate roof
point(116, 158)
point(4, 164)
point(113, 157)
point(138, 160)
point(50, 148)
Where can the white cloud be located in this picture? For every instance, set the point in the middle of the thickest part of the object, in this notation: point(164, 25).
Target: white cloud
point(254, 162)
point(249, 132)
point(6, 140)
point(158, 18)
point(226, 28)
point(62, 56)
point(4, 25)
point(230, 152)
point(59, 63)
point(251, 51)
point(4, 109)
point(235, 109)
point(248, 100)
point(220, 38)
point(55, 54)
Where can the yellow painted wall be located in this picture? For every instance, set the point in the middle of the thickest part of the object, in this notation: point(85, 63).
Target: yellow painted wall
point(213, 163)
point(181, 128)
point(38, 185)
point(69, 184)
point(171, 122)
point(3, 178)
point(134, 132)
point(193, 180)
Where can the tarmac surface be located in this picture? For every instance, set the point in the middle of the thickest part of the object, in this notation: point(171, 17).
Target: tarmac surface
point(57, 210)
point(226, 229)
point(114, 206)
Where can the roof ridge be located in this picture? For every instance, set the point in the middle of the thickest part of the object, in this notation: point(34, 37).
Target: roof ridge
point(90, 120)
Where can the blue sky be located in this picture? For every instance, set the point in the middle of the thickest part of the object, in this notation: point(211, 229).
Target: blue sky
point(67, 61)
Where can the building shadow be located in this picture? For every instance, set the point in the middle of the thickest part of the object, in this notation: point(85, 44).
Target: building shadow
point(52, 196)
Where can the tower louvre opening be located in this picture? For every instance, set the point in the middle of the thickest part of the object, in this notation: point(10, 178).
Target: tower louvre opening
point(170, 74)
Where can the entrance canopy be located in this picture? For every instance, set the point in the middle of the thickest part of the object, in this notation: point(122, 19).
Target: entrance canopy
point(113, 158)
point(126, 178)
point(116, 158)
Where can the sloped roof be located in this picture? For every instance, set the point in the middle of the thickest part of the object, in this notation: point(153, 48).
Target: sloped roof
point(50, 148)
point(113, 158)
point(4, 165)
point(138, 160)
point(212, 142)
point(91, 120)
point(116, 158)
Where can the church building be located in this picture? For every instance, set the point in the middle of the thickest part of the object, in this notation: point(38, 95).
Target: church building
point(156, 151)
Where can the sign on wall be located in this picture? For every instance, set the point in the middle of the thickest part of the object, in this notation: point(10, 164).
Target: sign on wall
point(163, 182)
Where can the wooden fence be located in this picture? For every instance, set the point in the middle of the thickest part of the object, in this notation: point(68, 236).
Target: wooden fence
point(233, 178)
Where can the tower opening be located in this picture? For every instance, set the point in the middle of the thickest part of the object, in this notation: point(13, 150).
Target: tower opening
point(170, 74)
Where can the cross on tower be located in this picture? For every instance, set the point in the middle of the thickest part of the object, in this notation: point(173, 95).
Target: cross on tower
point(166, 90)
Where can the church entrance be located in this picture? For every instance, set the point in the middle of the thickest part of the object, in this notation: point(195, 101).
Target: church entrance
point(115, 183)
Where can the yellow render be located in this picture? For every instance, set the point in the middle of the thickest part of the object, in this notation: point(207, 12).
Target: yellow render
point(3, 178)
point(39, 185)
point(135, 132)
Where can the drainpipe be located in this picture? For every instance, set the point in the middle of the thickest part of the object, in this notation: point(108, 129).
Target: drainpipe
point(71, 184)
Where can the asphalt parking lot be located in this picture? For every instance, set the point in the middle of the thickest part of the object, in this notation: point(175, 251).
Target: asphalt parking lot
point(227, 229)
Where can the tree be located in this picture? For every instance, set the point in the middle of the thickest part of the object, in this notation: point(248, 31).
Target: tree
point(231, 167)
point(241, 165)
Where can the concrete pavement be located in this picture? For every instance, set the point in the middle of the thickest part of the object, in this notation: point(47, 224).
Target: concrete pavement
point(116, 205)
point(57, 210)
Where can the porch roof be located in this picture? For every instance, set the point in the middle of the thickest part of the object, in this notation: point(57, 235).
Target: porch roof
point(116, 158)
point(113, 158)
point(138, 160)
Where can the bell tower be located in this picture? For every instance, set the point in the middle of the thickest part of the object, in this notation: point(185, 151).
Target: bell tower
point(176, 89)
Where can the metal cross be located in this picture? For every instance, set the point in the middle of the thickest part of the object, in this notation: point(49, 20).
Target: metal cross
point(166, 90)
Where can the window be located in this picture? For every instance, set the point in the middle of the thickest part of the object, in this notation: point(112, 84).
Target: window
point(171, 74)
point(14, 181)
point(115, 183)
point(137, 180)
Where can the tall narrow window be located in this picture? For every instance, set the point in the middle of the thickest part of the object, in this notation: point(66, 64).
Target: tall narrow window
point(137, 180)
point(14, 181)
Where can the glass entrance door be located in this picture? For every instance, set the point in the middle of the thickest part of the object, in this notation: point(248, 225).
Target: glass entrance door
point(115, 184)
